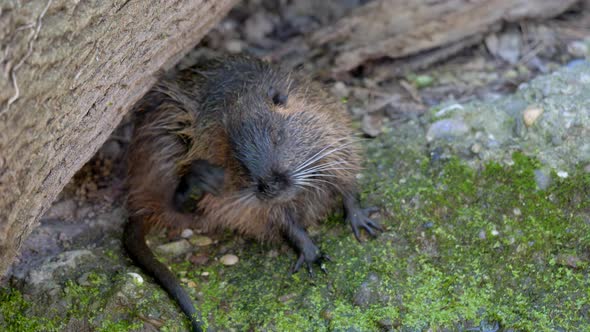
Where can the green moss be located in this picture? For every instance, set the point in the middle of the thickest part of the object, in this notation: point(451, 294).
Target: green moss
point(14, 317)
point(463, 249)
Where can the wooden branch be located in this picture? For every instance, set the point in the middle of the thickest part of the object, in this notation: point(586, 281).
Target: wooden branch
point(70, 71)
point(397, 28)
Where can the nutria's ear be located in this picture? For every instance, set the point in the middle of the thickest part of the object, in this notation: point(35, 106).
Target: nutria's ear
point(278, 98)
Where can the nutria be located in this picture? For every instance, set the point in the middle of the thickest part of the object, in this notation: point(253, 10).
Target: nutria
point(269, 153)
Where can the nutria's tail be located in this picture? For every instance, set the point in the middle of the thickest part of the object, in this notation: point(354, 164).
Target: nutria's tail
point(134, 241)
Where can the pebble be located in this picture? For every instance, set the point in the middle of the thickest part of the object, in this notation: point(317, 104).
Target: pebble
point(506, 46)
point(258, 26)
point(542, 179)
point(423, 81)
point(199, 259)
point(234, 46)
point(517, 212)
point(229, 259)
point(340, 90)
point(371, 125)
point(175, 248)
point(287, 297)
point(186, 233)
point(578, 49)
point(447, 128)
point(531, 115)
point(476, 148)
point(562, 174)
point(138, 279)
point(482, 234)
point(200, 240)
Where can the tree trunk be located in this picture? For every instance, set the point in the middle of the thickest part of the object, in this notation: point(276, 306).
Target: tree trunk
point(70, 71)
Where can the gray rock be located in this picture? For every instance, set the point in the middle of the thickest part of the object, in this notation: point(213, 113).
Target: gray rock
point(447, 129)
point(371, 125)
point(175, 248)
point(542, 179)
point(44, 276)
point(64, 210)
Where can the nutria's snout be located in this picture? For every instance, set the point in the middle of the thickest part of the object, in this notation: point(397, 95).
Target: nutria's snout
point(273, 186)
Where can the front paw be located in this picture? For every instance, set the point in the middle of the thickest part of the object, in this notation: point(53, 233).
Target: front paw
point(206, 176)
point(309, 258)
point(359, 218)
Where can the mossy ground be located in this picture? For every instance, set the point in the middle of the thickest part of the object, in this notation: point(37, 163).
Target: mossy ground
point(464, 249)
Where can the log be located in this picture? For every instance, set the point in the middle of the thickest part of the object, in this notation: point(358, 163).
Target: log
point(70, 71)
point(398, 29)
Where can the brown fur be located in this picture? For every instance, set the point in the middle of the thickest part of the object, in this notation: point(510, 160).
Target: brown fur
point(171, 136)
point(230, 115)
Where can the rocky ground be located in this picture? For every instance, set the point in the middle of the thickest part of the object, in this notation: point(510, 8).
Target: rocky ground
point(480, 165)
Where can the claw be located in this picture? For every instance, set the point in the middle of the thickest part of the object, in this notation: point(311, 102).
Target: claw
point(360, 219)
point(298, 264)
point(320, 259)
point(310, 270)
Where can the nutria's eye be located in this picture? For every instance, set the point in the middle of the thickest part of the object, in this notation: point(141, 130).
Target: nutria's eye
point(278, 98)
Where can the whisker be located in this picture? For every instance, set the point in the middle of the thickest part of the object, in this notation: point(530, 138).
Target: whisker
point(321, 168)
point(324, 154)
point(305, 163)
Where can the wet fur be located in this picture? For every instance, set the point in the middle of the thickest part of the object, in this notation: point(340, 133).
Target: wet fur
point(213, 113)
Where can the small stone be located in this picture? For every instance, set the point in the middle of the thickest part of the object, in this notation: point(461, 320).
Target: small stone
point(273, 253)
point(137, 279)
point(229, 260)
point(234, 46)
point(287, 297)
point(200, 240)
point(506, 46)
point(423, 81)
point(258, 26)
point(385, 323)
point(476, 148)
point(186, 233)
point(517, 212)
point(191, 284)
point(447, 128)
point(205, 274)
point(578, 49)
point(175, 248)
point(531, 114)
point(199, 259)
point(371, 125)
point(340, 90)
point(542, 179)
point(562, 174)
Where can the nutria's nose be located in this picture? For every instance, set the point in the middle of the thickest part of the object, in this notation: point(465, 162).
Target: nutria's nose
point(272, 186)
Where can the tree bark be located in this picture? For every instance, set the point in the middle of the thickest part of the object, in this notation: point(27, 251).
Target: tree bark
point(70, 71)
